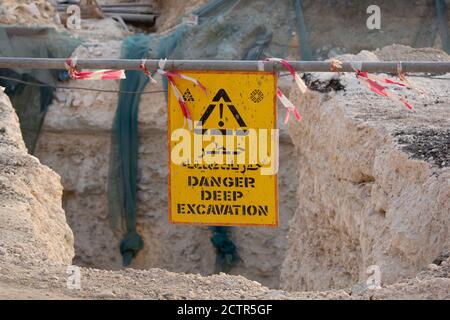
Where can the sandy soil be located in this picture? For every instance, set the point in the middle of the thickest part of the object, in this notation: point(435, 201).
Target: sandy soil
point(50, 282)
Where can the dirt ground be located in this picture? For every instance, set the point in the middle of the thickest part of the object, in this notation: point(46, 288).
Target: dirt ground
point(50, 282)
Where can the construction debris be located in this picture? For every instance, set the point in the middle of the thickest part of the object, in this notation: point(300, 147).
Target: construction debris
point(38, 12)
point(131, 12)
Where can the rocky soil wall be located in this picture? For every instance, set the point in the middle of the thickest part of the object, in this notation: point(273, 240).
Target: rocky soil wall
point(374, 180)
point(33, 225)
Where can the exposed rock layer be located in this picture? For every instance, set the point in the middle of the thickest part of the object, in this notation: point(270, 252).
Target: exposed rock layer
point(368, 192)
point(32, 222)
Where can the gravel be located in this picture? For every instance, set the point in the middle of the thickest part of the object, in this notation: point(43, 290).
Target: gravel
point(426, 144)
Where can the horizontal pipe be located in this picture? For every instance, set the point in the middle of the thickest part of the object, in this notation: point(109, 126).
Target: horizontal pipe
point(130, 10)
point(138, 10)
point(133, 17)
point(126, 5)
point(117, 5)
point(138, 18)
point(225, 65)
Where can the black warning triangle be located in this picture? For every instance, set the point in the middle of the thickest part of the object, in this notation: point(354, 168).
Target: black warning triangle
point(187, 96)
point(221, 94)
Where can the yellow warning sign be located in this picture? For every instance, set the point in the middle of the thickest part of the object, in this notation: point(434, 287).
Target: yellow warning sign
point(224, 170)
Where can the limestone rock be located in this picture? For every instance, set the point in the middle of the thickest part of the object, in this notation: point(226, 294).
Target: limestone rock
point(32, 221)
point(366, 195)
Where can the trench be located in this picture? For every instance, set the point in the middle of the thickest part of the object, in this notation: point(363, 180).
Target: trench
point(81, 159)
point(75, 143)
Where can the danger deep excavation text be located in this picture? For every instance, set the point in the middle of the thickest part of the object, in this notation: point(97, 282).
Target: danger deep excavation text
point(222, 209)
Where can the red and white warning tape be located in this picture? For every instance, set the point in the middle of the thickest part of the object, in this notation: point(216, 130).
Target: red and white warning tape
point(170, 75)
point(335, 65)
point(402, 76)
point(373, 83)
point(146, 71)
point(283, 99)
point(381, 90)
point(289, 106)
point(107, 74)
point(301, 85)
